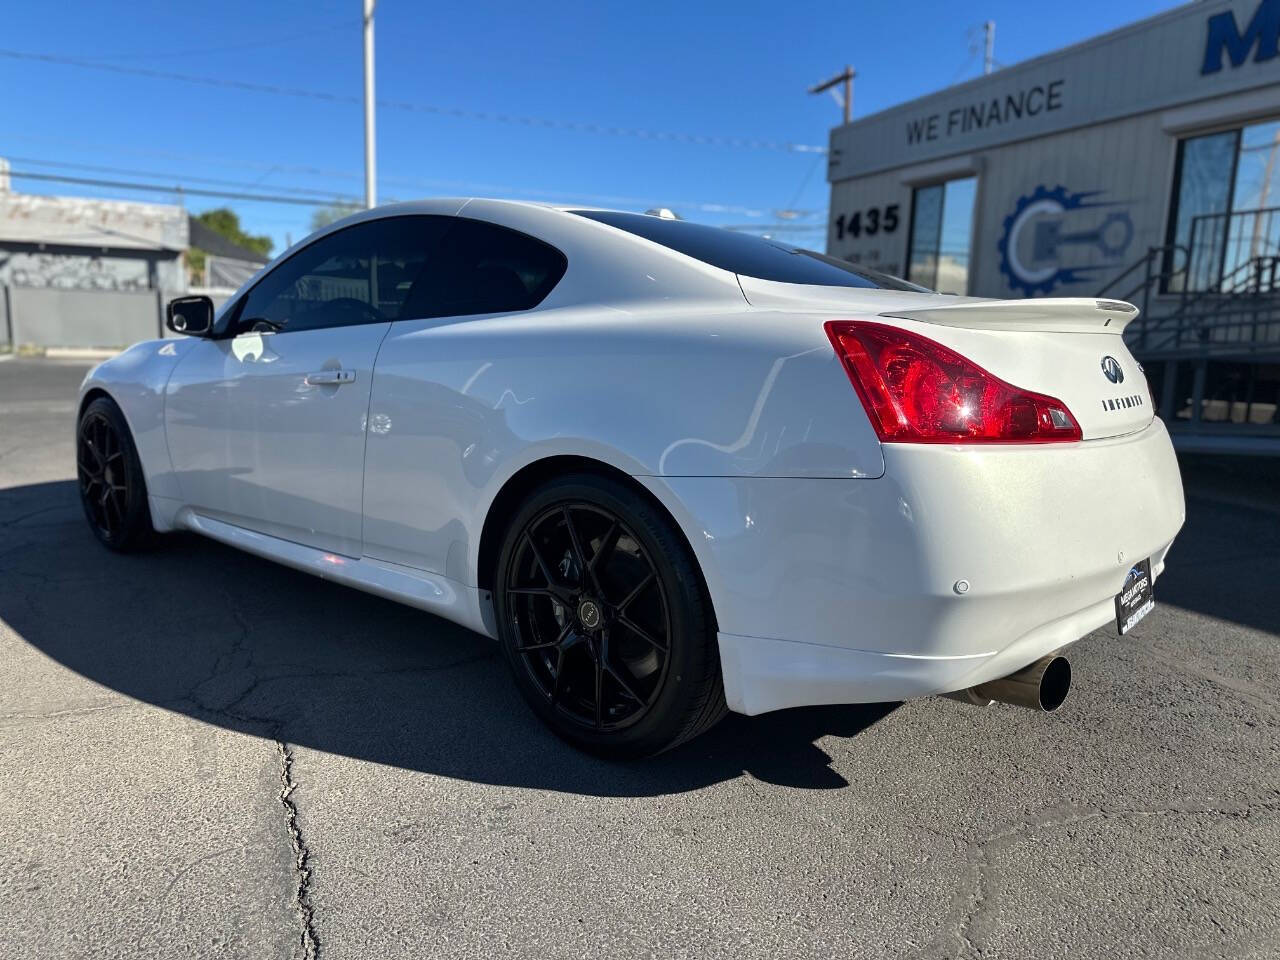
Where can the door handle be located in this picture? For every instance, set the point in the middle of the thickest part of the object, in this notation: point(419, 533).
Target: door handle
point(324, 378)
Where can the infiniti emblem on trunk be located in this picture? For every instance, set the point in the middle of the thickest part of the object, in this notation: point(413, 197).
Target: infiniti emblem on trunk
point(1111, 370)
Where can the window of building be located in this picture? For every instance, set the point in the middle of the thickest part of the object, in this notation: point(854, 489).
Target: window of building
point(1226, 198)
point(941, 233)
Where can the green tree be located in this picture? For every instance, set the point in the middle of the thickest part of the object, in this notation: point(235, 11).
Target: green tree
point(324, 216)
point(227, 223)
point(195, 265)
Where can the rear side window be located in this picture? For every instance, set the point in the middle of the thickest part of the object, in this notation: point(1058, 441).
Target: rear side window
point(747, 255)
point(483, 268)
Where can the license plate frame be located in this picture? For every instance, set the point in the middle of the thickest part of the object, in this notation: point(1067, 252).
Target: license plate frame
point(1136, 598)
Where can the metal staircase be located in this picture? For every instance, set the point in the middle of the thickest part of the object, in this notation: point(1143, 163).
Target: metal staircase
point(1237, 315)
point(1209, 331)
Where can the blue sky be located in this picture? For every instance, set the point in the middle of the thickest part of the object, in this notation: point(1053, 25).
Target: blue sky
point(713, 69)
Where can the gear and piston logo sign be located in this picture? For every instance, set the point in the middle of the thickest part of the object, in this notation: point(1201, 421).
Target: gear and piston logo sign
point(1033, 239)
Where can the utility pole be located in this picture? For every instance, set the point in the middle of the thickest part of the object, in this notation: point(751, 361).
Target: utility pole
point(989, 59)
point(370, 160)
point(847, 79)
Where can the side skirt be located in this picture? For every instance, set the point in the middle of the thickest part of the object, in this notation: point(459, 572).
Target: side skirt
point(468, 606)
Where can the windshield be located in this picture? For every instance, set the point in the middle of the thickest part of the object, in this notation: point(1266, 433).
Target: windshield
point(748, 255)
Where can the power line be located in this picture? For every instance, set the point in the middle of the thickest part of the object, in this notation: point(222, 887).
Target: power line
point(465, 186)
point(291, 38)
point(804, 182)
point(750, 143)
point(318, 195)
point(175, 188)
point(205, 158)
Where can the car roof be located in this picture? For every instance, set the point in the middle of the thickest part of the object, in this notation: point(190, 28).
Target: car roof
point(605, 263)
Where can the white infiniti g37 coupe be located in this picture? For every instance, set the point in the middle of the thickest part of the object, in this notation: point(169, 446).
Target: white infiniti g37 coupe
point(673, 470)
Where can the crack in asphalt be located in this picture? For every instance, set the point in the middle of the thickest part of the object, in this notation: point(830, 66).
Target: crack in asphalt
point(237, 656)
point(260, 681)
point(303, 910)
point(302, 907)
point(13, 521)
point(1247, 691)
point(240, 644)
point(980, 869)
point(17, 718)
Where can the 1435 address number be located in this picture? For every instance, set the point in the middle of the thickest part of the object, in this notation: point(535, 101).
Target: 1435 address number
point(870, 221)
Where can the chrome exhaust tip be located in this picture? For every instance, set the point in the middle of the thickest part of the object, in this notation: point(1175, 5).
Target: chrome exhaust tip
point(1042, 686)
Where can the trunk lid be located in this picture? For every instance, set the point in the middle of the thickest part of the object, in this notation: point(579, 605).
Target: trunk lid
point(1055, 346)
point(1069, 348)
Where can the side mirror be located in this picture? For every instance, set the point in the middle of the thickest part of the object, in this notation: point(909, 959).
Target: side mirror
point(192, 316)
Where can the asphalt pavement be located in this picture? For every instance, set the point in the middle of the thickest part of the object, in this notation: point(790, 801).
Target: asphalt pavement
point(205, 754)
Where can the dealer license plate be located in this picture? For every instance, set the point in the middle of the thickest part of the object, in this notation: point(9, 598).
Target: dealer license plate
point(1137, 599)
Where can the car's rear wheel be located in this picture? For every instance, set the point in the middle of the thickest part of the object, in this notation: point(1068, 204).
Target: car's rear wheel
point(113, 491)
point(605, 621)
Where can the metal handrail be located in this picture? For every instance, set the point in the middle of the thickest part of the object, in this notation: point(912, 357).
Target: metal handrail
point(1249, 280)
point(1167, 254)
point(1229, 283)
point(1214, 241)
point(1145, 261)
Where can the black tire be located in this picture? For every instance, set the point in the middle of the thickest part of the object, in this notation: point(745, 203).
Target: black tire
point(113, 490)
point(646, 676)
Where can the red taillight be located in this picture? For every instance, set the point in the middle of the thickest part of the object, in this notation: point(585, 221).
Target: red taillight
point(918, 391)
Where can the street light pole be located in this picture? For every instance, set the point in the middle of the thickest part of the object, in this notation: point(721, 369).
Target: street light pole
point(370, 160)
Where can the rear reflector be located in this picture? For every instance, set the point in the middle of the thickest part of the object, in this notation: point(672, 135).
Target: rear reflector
point(918, 391)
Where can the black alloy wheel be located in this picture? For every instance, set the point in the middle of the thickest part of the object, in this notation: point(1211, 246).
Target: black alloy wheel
point(112, 489)
point(590, 615)
point(605, 622)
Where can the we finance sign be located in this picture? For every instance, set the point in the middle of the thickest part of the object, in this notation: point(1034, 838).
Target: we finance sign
point(987, 113)
point(1182, 56)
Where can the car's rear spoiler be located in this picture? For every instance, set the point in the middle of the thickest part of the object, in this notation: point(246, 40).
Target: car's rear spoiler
point(1050, 315)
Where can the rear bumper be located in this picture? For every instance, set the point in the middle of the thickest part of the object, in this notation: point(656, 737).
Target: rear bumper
point(763, 674)
point(844, 591)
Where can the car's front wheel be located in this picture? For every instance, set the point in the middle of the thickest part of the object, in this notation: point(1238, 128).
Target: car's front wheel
point(113, 491)
point(605, 621)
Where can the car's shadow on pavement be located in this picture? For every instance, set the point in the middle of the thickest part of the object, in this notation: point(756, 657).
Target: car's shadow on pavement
point(253, 646)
